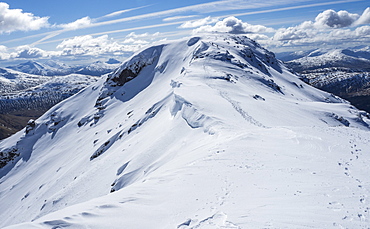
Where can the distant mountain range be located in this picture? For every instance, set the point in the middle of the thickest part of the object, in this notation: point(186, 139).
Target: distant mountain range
point(55, 68)
point(343, 72)
point(24, 95)
point(298, 56)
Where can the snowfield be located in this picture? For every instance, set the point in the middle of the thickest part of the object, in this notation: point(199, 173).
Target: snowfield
point(205, 132)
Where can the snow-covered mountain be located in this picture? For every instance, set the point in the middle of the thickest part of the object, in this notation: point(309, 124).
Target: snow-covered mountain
point(55, 68)
point(353, 60)
point(98, 68)
point(45, 94)
point(49, 68)
point(288, 56)
point(205, 132)
point(23, 94)
point(12, 81)
point(343, 72)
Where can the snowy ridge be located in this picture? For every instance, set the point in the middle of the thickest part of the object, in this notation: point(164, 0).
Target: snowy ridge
point(204, 132)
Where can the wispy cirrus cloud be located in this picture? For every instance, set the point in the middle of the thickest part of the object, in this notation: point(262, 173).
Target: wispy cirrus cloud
point(215, 6)
point(175, 18)
point(119, 12)
point(210, 7)
point(220, 6)
point(200, 22)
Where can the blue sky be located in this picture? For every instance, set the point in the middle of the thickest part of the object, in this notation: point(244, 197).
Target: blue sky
point(89, 30)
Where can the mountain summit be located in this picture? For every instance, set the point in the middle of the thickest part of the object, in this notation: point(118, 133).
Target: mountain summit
point(205, 132)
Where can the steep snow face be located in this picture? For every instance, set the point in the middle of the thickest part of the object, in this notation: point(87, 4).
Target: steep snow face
point(206, 132)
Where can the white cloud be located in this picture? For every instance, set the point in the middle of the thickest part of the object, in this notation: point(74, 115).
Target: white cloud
point(332, 19)
point(320, 38)
point(4, 55)
point(259, 37)
point(362, 31)
point(198, 23)
point(209, 7)
point(26, 52)
point(86, 45)
point(293, 33)
point(14, 19)
point(134, 35)
point(134, 41)
point(94, 46)
point(329, 28)
point(234, 25)
point(364, 18)
point(129, 40)
point(78, 24)
point(3, 48)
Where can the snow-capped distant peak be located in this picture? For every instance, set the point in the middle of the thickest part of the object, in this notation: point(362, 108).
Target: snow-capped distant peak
point(112, 61)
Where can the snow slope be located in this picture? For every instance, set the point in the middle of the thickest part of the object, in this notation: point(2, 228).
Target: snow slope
point(205, 132)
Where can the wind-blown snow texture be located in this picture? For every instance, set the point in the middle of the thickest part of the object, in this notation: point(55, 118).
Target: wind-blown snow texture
point(207, 132)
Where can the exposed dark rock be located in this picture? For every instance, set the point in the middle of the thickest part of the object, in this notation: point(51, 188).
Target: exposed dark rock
point(30, 125)
point(8, 155)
